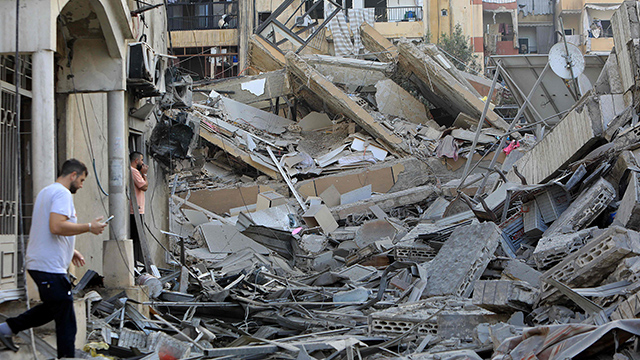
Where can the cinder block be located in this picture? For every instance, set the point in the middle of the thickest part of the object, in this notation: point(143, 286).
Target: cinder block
point(416, 251)
point(462, 259)
point(584, 209)
point(552, 250)
point(628, 214)
point(456, 318)
point(593, 263)
point(504, 296)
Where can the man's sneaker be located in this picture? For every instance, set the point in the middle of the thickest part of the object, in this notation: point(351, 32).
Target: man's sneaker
point(8, 342)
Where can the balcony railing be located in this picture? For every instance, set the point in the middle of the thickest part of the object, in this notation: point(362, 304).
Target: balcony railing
point(202, 16)
point(401, 13)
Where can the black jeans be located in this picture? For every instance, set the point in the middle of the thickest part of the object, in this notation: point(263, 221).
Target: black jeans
point(137, 248)
point(57, 304)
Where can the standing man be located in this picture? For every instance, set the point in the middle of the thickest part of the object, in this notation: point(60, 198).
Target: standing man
point(50, 251)
point(139, 174)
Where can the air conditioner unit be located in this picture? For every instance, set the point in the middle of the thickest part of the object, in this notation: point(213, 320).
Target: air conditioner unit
point(303, 21)
point(146, 70)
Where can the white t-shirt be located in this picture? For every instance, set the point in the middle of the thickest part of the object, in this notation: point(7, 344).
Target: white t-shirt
point(48, 252)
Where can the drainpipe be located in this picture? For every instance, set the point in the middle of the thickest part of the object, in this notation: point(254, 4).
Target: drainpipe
point(118, 166)
point(555, 37)
point(43, 114)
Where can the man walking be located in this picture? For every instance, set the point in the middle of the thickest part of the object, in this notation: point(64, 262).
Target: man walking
point(50, 251)
point(139, 174)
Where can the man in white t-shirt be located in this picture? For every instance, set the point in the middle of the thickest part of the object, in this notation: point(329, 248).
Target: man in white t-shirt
point(50, 251)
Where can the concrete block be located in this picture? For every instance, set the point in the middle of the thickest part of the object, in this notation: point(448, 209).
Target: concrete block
point(593, 263)
point(462, 259)
point(628, 214)
point(518, 270)
point(552, 250)
point(627, 270)
point(269, 199)
point(457, 318)
point(584, 209)
point(118, 263)
point(504, 296)
point(393, 100)
point(386, 201)
point(417, 251)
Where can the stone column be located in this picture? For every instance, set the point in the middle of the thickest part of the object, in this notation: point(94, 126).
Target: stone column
point(43, 156)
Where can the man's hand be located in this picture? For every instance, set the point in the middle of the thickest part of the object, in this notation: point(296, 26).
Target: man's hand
point(77, 259)
point(144, 169)
point(96, 226)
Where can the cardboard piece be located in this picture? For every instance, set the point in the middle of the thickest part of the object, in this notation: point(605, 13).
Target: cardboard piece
point(319, 215)
point(331, 196)
point(269, 199)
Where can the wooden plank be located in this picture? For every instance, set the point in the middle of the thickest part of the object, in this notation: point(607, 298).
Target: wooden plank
point(339, 102)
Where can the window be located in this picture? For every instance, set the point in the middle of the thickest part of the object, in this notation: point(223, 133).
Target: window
point(607, 30)
point(523, 44)
point(444, 12)
point(263, 16)
point(568, 32)
point(317, 12)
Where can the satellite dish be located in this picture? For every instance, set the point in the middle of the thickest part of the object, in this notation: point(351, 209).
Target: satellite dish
point(562, 63)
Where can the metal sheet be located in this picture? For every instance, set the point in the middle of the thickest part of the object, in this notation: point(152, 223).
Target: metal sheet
point(552, 96)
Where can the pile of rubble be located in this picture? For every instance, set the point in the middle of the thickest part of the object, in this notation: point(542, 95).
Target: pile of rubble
point(362, 230)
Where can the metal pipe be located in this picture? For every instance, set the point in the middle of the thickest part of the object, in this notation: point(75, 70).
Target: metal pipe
point(479, 129)
point(118, 167)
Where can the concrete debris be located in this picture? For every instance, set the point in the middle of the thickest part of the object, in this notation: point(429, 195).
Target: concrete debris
point(346, 208)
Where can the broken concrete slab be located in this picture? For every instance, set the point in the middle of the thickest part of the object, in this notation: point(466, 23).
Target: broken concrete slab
point(592, 263)
point(252, 89)
point(226, 239)
point(628, 214)
point(437, 55)
point(574, 136)
point(350, 72)
point(315, 120)
point(584, 209)
point(339, 102)
point(263, 56)
point(393, 100)
point(504, 296)
point(373, 231)
point(518, 270)
point(373, 41)
point(448, 89)
point(551, 250)
point(625, 28)
point(460, 262)
point(386, 201)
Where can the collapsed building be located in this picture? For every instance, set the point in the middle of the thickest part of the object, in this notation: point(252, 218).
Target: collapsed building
point(335, 207)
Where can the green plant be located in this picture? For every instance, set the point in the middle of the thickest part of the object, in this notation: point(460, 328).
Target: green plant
point(459, 47)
